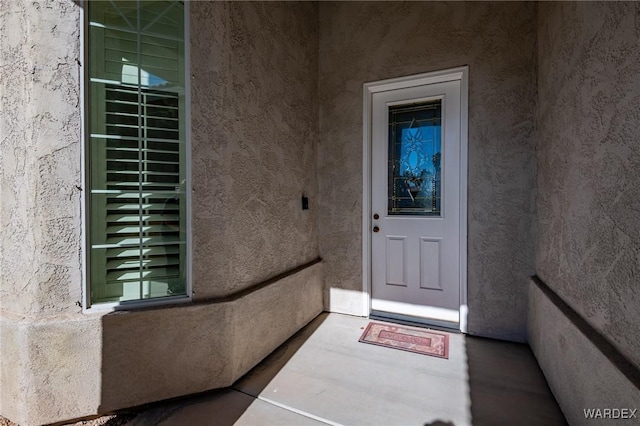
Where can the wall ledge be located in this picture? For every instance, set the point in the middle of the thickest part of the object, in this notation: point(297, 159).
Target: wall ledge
point(617, 359)
point(66, 367)
point(585, 372)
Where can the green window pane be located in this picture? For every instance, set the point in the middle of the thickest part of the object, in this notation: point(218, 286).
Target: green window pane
point(136, 150)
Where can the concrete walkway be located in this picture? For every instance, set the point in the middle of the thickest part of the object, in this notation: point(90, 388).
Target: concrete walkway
point(323, 375)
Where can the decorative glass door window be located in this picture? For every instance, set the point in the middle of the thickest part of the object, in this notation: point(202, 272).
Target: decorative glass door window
point(137, 150)
point(414, 162)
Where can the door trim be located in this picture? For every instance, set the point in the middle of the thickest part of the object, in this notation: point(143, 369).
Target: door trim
point(455, 74)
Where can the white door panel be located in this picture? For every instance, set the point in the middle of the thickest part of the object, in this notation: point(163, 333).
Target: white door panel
point(415, 195)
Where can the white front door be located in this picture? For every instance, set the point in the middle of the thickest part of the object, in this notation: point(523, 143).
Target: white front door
point(415, 202)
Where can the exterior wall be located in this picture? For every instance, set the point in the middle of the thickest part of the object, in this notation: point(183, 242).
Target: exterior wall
point(582, 372)
point(254, 135)
point(254, 124)
point(68, 366)
point(363, 42)
point(588, 246)
point(40, 164)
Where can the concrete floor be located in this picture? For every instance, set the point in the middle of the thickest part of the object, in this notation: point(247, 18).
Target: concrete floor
point(323, 375)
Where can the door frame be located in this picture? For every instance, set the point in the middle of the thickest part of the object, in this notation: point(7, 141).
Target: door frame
point(455, 74)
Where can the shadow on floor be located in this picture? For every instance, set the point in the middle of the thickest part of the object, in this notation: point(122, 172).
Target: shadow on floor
point(222, 407)
point(506, 385)
point(322, 375)
point(259, 377)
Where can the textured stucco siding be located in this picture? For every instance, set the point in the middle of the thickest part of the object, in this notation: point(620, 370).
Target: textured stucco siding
point(40, 125)
point(588, 247)
point(364, 42)
point(254, 115)
point(69, 366)
point(254, 137)
point(580, 375)
point(40, 198)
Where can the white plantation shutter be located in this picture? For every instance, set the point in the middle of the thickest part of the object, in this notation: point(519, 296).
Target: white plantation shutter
point(137, 120)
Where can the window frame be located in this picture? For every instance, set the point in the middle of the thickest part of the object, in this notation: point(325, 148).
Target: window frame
point(86, 303)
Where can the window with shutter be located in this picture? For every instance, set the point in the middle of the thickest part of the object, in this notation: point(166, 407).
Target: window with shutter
point(136, 151)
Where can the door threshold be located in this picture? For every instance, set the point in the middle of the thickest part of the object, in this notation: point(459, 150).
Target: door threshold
point(449, 327)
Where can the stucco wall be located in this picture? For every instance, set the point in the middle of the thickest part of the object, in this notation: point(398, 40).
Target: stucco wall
point(68, 366)
point(588, 248)
point(254, 135)
point(363, 42)
point(582, 370)
point(40, 157)
point(254, 124)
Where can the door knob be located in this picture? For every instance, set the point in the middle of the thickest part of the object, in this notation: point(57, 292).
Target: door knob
point(376, 216)
point(376, 228)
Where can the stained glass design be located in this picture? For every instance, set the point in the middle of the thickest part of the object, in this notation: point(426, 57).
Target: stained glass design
point(415, 135)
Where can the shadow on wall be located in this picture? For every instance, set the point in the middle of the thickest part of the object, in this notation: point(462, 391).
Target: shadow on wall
point(197, 407)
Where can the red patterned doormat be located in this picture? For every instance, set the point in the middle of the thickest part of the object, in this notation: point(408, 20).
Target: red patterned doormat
point(407, 339)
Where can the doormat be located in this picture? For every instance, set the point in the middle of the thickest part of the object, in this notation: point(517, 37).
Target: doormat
point(407, 339)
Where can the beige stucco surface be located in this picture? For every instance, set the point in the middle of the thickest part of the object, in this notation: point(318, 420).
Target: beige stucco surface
point(588, 248)
point(579, 374)
point(254, 124)
point(71, 366)
point(363, 42)
point(254, 135)
point(40, 175)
